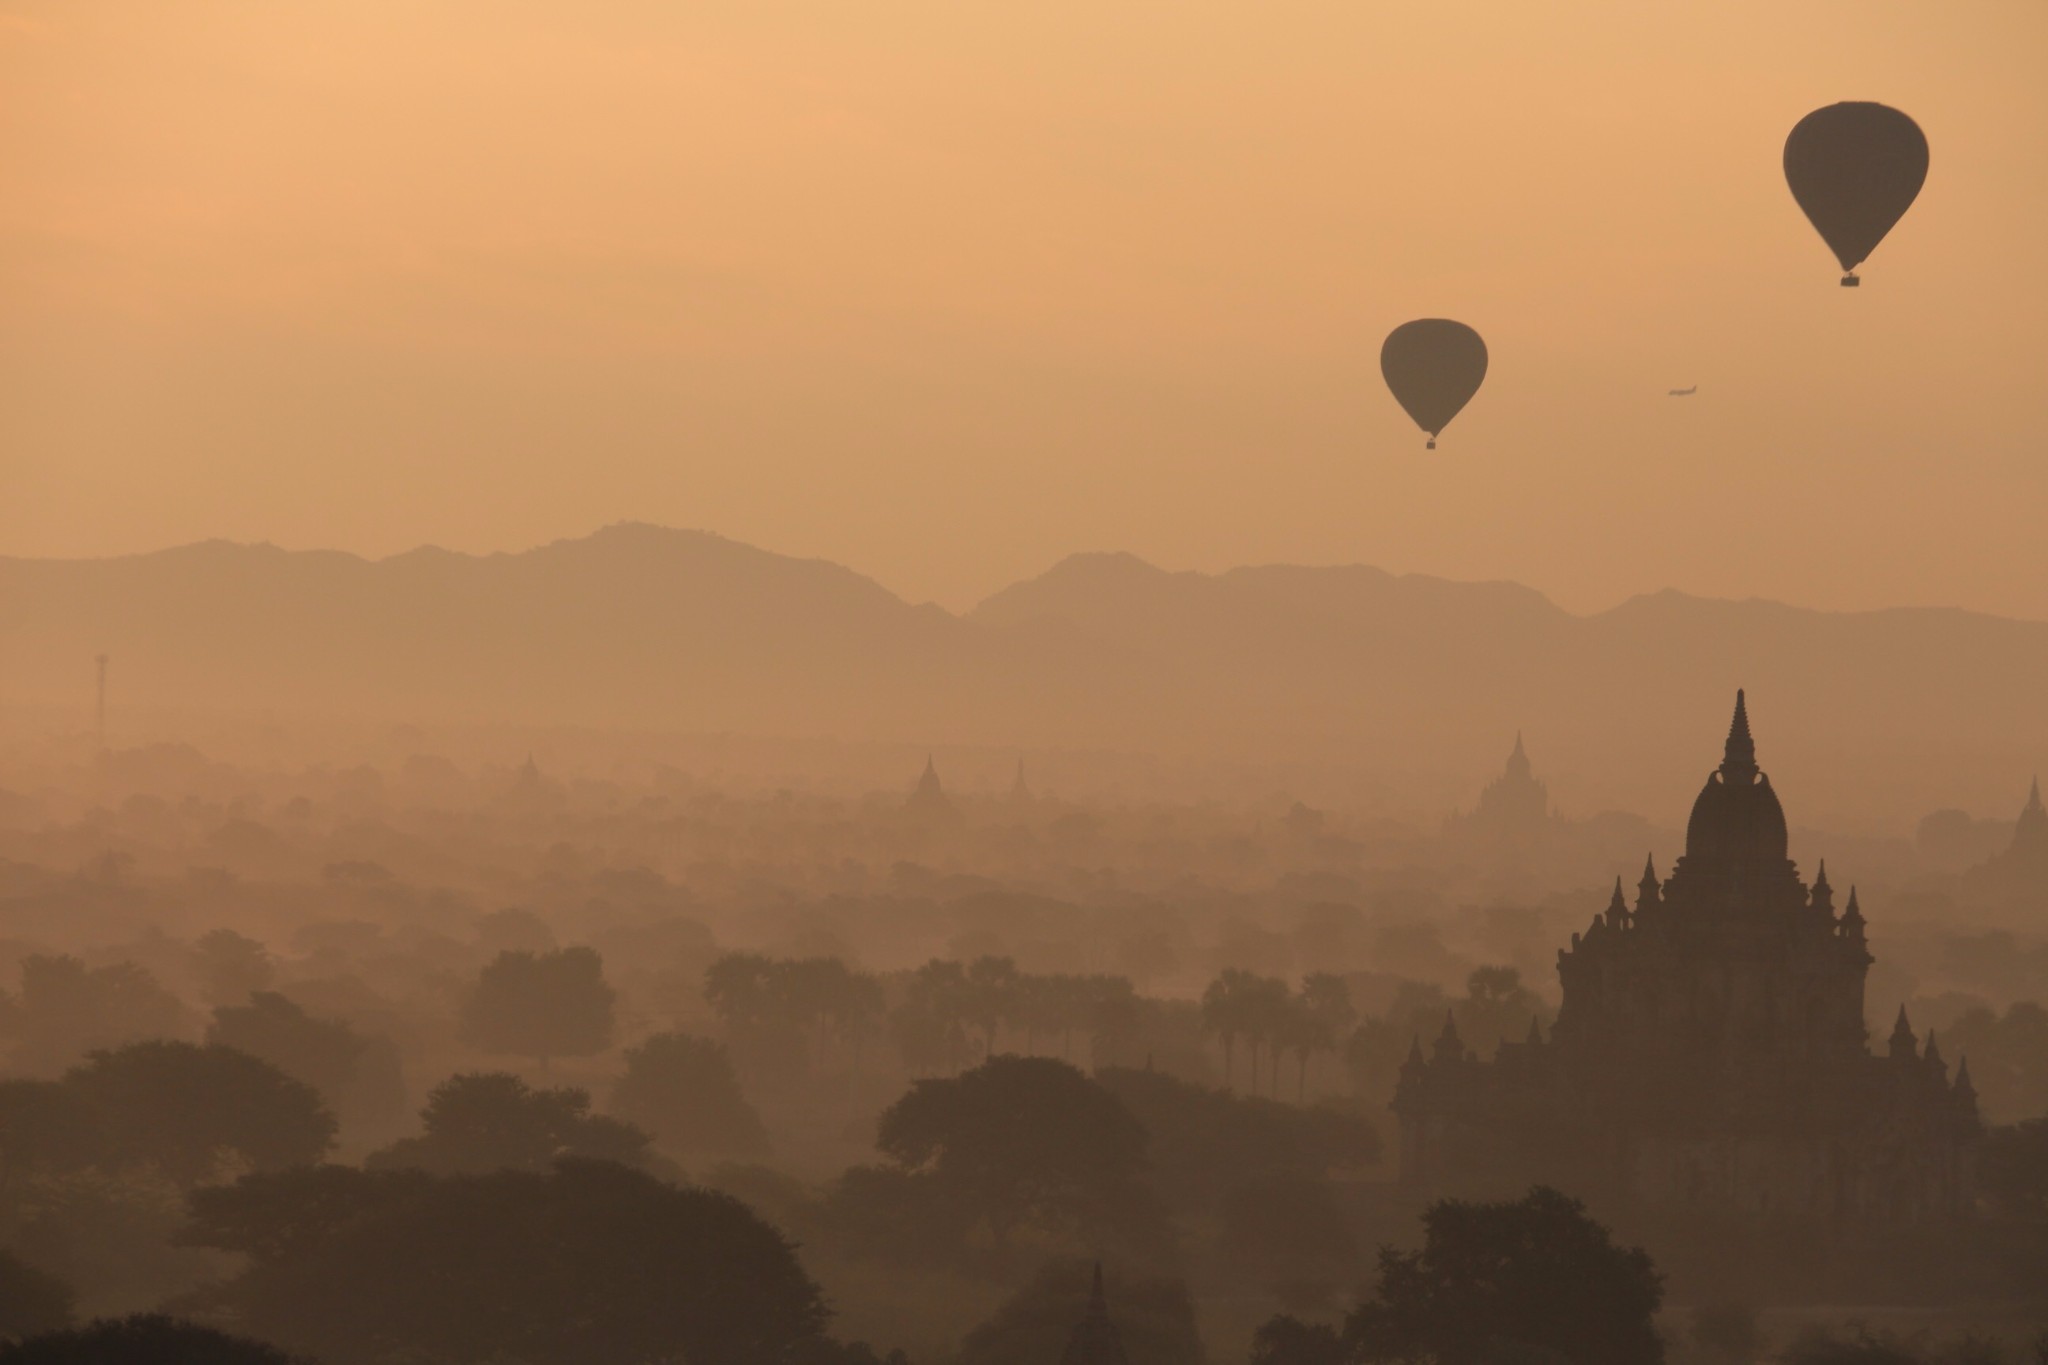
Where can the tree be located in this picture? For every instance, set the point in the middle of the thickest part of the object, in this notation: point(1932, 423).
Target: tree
point(45, 1126)
point(356, 1075)
point(1289, 1341)
point(1496, 1006)
point(183, 1106)
point(230, 967)
point(514, 930)
point(1533, 1279)
point(588, 1262)
point(541, 1005)
point(1325, 1004)
point(1154, 1319)
point(1207, 1142)
point(148, 1337)
point(66, 1009)
point(1267, 1013)
point(1223, 1013)
point(1024, 1140)
point(930, 1026)
point(494, 1121)
point(31, 1301)
point(683, 1091)
point(992, 996)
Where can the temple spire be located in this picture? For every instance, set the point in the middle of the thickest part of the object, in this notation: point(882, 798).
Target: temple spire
point(1738, 760)
point(1518, 761)
point(1823, 894)
point(1648, 891)
point(1449, 1047)
point(1904, 1046)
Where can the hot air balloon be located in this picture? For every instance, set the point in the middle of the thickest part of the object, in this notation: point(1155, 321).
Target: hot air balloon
point(1433, 366)
point(1855, 169)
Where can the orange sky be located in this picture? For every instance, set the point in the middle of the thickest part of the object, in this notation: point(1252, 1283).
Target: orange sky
point(946, 290)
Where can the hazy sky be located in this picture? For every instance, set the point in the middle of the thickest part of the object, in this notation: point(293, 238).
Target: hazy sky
point(944, 290)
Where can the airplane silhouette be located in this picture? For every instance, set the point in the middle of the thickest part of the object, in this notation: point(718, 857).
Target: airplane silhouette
point(1683, 393)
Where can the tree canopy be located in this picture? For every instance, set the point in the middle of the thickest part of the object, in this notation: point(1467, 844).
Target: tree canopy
point(682, 1090)
point(541, 1005)
point(590, 1261)
point(1024, 1140)
point(1535, 1278)
point(495, 1121)
point(182, 1106)
point(145, 1337)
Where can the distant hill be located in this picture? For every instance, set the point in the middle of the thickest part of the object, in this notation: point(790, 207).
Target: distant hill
point(1350, 666)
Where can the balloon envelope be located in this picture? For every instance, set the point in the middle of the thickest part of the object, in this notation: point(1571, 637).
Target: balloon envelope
point(1855, 169)
point(1433, 366)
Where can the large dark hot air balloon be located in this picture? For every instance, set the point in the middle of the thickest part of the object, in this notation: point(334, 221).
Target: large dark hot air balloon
point(1855, 169)
point(1434, 366)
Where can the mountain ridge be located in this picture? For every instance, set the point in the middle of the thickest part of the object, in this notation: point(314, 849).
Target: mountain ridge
point(644, 626)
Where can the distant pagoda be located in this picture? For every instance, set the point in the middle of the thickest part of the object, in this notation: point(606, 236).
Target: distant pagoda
point(2017, 877)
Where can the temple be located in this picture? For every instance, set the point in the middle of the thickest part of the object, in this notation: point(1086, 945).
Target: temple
point(929, 797)
point(1513, 809)
point(1710, 1051)
point(2016, 880)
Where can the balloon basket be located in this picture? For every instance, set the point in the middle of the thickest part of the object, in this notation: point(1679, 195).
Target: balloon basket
point(1850, 281)
point(1429, 445)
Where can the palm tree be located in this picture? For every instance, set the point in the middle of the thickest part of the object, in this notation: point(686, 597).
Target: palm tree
point(1223, 1014)
point(1264, 1019)
point(1326, 1015)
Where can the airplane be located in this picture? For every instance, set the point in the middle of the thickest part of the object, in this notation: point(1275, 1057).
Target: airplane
point(1683, 393)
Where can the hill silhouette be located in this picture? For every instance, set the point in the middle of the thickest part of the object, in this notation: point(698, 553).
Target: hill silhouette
point(638, 625)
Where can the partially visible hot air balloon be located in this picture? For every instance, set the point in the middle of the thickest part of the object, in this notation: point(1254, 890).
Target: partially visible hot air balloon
point(1855, 169)
point(1434, 366)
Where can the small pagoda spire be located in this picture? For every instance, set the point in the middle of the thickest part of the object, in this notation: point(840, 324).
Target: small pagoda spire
point(2032, 827)
point(1823, 894)
point(1617, 908)
point(1449, 1047)
point(1964, 1092)
point(1648, 890)
point(1852, 918)
point(1904, 1046)
point(1932, 1056)
point(1094, 1340)
point(1738, 760)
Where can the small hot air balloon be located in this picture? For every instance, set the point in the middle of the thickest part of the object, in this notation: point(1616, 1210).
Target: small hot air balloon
point(1855, 169)
point(1433, 366)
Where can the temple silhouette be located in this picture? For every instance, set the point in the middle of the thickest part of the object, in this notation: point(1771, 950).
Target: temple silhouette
point(2015, 880)
point(1711, 1051)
